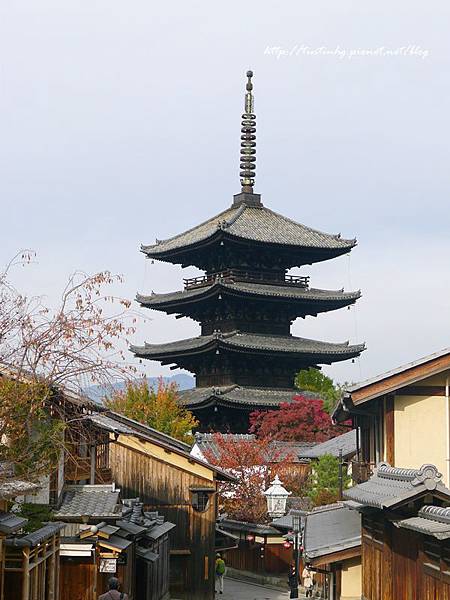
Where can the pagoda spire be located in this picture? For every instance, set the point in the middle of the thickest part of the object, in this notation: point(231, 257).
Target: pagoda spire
point(248, 137)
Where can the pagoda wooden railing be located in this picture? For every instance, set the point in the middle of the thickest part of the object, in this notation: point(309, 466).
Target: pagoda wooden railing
point(250, 276)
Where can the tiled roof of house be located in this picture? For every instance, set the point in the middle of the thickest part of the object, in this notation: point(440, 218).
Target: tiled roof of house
point(252, 223)
point(431, 520)
point(278, 450)
point(10, 522)
point(345, 442)
point(36, 537)
point(255, 528)
point(330, 529)
point(323, 352)
point(94, 501)
point(390, 486)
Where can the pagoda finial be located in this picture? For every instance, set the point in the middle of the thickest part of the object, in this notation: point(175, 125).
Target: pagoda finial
point(248, 137)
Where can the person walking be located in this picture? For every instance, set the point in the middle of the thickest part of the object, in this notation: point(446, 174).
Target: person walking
point(113, 592)
point(220, 572)
point(308, 581)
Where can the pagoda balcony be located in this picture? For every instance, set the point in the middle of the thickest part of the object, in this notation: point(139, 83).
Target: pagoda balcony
point(231, 275)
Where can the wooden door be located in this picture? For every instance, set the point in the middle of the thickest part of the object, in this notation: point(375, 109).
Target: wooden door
point(77, 580)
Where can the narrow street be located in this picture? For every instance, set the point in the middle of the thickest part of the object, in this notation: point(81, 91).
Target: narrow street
point(239, 590)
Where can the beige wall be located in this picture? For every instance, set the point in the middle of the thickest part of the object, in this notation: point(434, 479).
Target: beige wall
point(351, 579)
point(421, 432)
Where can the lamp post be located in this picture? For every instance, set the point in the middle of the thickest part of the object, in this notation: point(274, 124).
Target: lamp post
point(296, 527)
point(276, 496)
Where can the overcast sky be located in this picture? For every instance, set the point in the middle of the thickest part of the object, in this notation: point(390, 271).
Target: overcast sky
point(119, 123)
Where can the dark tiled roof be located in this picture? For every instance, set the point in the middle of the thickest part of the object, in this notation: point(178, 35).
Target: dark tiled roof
point(36, 537)
point(278, 450)
point(252, 342)
point(258, 224)
point(235, 395)
point(255, 528)
point(303, 295)
point(147, 554)
point(95, 501)
point(431, 520)
point(286, 522)
point(390, 486)
point(160, 530)
point(345, 442)
point(330, 529)
point(9, 522)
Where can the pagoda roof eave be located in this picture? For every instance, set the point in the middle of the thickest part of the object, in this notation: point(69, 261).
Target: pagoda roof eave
point(252, 290)
point(251, 224)
point(235, 396)
point(251, 343)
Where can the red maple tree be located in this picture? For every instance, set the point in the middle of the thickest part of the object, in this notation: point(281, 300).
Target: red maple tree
point(304, 419)
point(254, 462)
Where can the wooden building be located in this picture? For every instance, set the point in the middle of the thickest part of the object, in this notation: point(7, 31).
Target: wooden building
point(260, 549)
point(104, 537)
point(402, 416)
point(245, 357)
point(161, 472)
point(405, 534)
point(332, 548)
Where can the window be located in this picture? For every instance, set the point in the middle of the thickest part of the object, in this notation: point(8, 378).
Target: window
point(200, 498)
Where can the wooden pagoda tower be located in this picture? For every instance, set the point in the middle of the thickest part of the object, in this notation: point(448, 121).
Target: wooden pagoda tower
point(245, 357)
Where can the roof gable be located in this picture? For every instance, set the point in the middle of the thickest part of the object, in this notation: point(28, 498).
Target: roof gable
point(404, 375)
point(390, 487)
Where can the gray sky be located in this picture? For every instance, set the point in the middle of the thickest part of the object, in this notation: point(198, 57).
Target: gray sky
point(120, 123)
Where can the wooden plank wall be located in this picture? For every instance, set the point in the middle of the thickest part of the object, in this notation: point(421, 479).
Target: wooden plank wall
point(165, 488)
point(403, 565)
point(273, 560)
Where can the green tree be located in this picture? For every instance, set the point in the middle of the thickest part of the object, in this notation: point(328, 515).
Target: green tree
point(313, 380)
point(157, 408)
point(324, 480)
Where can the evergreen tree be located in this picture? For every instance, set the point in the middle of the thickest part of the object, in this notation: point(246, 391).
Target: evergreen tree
point(325, 480)
point(313, 380)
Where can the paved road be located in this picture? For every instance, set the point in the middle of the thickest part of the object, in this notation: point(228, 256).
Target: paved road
point(238, 590)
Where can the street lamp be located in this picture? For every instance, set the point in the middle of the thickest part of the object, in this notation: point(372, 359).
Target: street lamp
point(276, 496)
point(296, 526)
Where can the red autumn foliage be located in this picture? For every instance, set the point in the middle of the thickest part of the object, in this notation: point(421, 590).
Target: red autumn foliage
point(254, 462)
point(302, 420)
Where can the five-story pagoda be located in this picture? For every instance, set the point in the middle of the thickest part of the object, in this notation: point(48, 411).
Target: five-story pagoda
point(245, 357)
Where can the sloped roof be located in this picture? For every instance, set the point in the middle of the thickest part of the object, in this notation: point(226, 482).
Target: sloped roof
point(262, 290)
point(115, 422)
point(94, 501)
point(431, 520)
point(324, 352)
point(10, 522)
point(391, 486)
point(329, 529)
point(391, 381)
point(253, 223)
point(235, 395)
point(345, 442)
point(278, 450)
point(36, 537)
